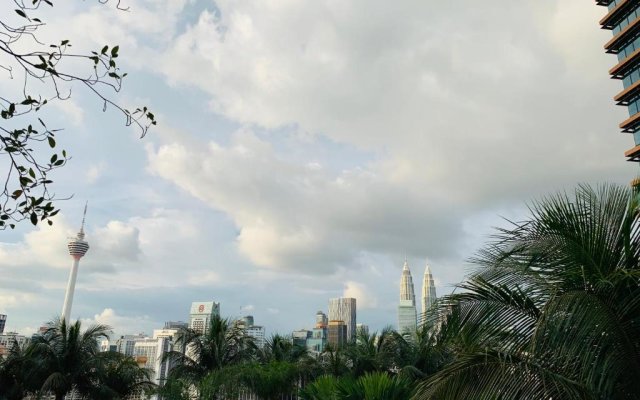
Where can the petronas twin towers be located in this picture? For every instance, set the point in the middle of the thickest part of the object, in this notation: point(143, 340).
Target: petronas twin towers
point(407, 313)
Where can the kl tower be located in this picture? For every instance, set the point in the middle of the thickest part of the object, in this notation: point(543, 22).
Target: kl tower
point(77, 249)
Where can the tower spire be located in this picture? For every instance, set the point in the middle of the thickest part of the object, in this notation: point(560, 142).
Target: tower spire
point(428, 292)
point(84, 216)
point(78, 247)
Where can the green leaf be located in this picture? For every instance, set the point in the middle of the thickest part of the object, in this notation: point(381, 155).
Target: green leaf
point(114, 51)
point(32, 173)
point(104, 50)
point(21, 13)
point(34, 218)
point(64, 42)
point(52, 142)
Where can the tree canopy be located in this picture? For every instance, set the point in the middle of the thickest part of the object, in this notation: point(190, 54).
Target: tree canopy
point(46, 72)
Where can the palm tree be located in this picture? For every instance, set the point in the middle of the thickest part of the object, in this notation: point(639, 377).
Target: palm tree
point(429, 352)
point(14, 373)
point(370, 386)
point(280, 348)
point(222, 345)
point(553, 310)
point(372, 352)
point(120, 377)
point(334, 361)
point(271, 381)
point(324, 387)
point(64, 358)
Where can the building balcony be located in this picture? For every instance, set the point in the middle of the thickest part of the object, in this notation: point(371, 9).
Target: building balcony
point(629, 94)
point(603, 2)
point(614, 45)
point(630, 124)
point(610, 20)
point(633, 154)
point(626, 65)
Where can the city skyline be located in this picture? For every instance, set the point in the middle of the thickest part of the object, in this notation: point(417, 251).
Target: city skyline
point(280, 174)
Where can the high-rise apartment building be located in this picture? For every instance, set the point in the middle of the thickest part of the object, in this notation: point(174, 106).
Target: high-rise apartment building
point(344, 309)
point(149, 353)
point(3, 321)
point(7, 340)
point(78, 247)
point(428, 293)
point(255, 331)
point(126, 343)
point(407, 317)
point(337, 333)
point(623, 19)
point(201, 314)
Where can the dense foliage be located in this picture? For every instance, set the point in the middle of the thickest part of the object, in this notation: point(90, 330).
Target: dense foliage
point(553, 310)
point(65, 359)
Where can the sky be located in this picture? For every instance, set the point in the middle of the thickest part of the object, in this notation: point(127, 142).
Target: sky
point(304, 149)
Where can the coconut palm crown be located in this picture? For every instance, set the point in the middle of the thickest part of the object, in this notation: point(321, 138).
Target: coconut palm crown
point(553, 309)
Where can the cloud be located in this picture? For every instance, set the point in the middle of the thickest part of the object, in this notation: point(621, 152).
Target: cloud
point(452, 122)
point(119, 324)
point(295, 218)
point(94, 172)
point(46, 245)
point(363, 295)
point(11, 300)
point(118, 241)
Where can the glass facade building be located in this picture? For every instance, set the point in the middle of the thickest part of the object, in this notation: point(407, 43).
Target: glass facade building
point(623, 19)
point(407, 316)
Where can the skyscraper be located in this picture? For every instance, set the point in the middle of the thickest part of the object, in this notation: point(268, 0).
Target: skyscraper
point(78, 247)
point(3, 321)
point(428, 293)
point(623, 19)
point(201, 314)
point(407, 308)
point(337, 334)
point(344, 309)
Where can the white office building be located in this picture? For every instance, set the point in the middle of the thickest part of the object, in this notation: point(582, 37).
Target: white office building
point(201, 314)
point(257, 332)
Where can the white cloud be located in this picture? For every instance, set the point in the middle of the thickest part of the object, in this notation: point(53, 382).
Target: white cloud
point(119, 324)
point(453, 121)
point(118, 241)
point(12, 300)
point(94, 172)
point(291, 217)
point(363, 295)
